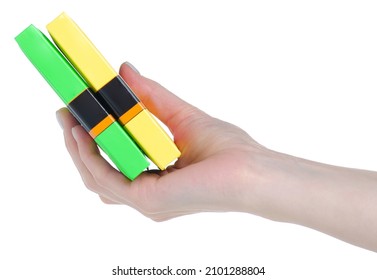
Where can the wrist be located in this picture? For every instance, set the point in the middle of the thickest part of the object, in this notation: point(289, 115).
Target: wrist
point(284, 188)
point(274, 187)
point(334, 200)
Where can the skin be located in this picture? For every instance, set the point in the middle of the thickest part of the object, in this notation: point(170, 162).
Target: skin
point(338, 201)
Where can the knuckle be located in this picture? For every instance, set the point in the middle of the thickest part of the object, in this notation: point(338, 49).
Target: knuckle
point(151, 210)
point(101, 176)
point(105, 200)
point(89, 183)
point(158, 219)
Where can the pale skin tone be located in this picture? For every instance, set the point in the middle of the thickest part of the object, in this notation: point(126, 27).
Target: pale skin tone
point(223, 169)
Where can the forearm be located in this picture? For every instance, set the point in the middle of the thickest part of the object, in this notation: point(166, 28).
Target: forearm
point(341, 202)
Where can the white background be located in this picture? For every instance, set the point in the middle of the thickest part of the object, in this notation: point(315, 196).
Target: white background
point(299, 76)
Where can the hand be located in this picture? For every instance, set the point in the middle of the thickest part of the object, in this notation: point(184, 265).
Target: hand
point(211, 175)
point(223, 169)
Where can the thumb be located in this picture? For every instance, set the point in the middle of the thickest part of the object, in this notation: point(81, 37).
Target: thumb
point(166, 106)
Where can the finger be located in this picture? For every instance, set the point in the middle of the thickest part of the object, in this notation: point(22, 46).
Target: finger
point(108, 180)
point(166, 106)
point(67, 121)
point(84, 153)
point(101, 170)
point(143, 194)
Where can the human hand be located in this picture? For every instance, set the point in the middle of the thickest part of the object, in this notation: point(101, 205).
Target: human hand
point(212, 174)
point(223, 169)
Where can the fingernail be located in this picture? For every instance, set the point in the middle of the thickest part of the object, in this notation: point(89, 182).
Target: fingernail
point(58, 118)
point(132, 67)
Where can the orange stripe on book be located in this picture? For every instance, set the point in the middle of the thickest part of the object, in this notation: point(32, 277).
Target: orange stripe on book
point(101, 126)
point(127, 116)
